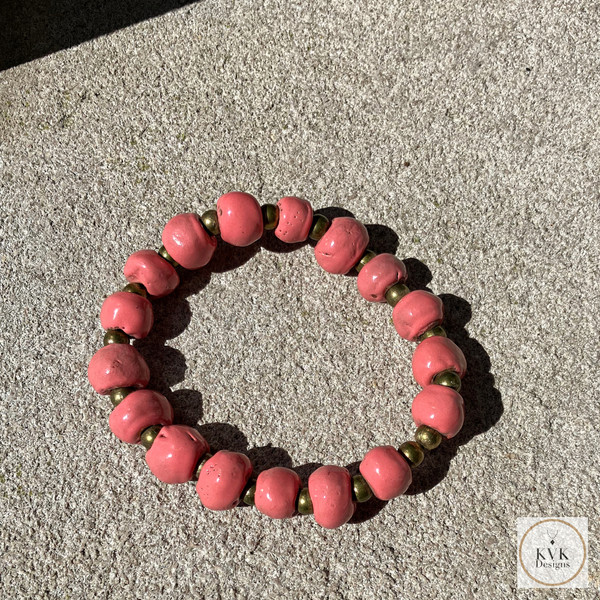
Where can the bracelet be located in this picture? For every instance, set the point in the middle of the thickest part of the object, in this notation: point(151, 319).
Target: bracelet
point(178, 453)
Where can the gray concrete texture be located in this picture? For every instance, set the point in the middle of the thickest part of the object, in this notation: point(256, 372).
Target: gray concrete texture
point(464, 134)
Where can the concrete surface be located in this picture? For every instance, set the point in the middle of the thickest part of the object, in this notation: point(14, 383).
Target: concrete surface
point(465, 134)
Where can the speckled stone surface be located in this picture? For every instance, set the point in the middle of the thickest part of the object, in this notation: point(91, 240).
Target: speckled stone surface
point(464, 135)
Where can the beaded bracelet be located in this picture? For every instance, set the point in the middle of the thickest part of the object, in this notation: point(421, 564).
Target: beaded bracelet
point(178, 453)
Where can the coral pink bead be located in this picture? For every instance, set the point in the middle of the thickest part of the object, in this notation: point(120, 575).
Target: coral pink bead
point(137, 411)
point(330, 489)
point(295, 219)
point(378, 275)
point(222, 480)
point(240, 218)
point(129, 312)
point(187, 242)
point(417, 312)
point(386, 472)
point(151, 270)
point(434, 355)
point(441, 408)
point(342, 246)
point(276, 492)
point(117, 365)
point(175, 453)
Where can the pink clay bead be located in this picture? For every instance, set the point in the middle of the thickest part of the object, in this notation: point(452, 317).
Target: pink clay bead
point(151, 270)
point(117, 365)
point(342, 246)
point(175, 453)
point(129, 312)
point(240, 218)
point(187, 242)
point(378, 275)
point(276, 492)
point(434, 355)
point(417, 312)
point(137, 411)
point(330, 489)
point(441, 408)
point(295, 219)
point(222, 480)
point(386, 471)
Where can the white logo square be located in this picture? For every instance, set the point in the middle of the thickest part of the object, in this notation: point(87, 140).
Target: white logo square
point(552, 552)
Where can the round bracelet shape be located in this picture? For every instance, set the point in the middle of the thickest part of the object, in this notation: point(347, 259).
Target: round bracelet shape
point(178, 453)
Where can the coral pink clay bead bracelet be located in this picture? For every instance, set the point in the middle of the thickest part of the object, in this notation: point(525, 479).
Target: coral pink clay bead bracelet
point(177, 453)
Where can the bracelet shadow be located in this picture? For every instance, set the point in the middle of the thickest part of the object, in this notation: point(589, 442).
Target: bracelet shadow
point(483, 404)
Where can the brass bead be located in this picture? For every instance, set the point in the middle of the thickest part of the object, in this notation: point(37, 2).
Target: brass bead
point(136, 288)
point(449, 379)
point(210, 220)
point(201, 464)
point(360, 489)
point(248, 493)
point(396, 293)
point(115, 336)
point(412, 452)
point(428, 438)
point(163, 252)
point(118, 394)
point(437, 330)
point(148, 436)
point(366, 257)
point(320, 224)
point(270, 213)
point(304, 503)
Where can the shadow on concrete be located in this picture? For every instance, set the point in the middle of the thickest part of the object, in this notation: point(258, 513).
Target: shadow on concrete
point(30, 29)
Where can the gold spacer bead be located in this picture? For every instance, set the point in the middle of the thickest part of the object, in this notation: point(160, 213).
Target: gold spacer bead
point(412, 452)
point(210, 220)
point(320, 224)
point(148, 436)
point(201, 464)
point(115, 336)
point(248, 493)
point(270, 213)
point(449, 379)
point(366, 257)
point(428, 438)
point(437, 330)
point(117, 395)
point(304, 503)
point(361, 491)
point(136, 288)
point(396, 293)
point(163, 252)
